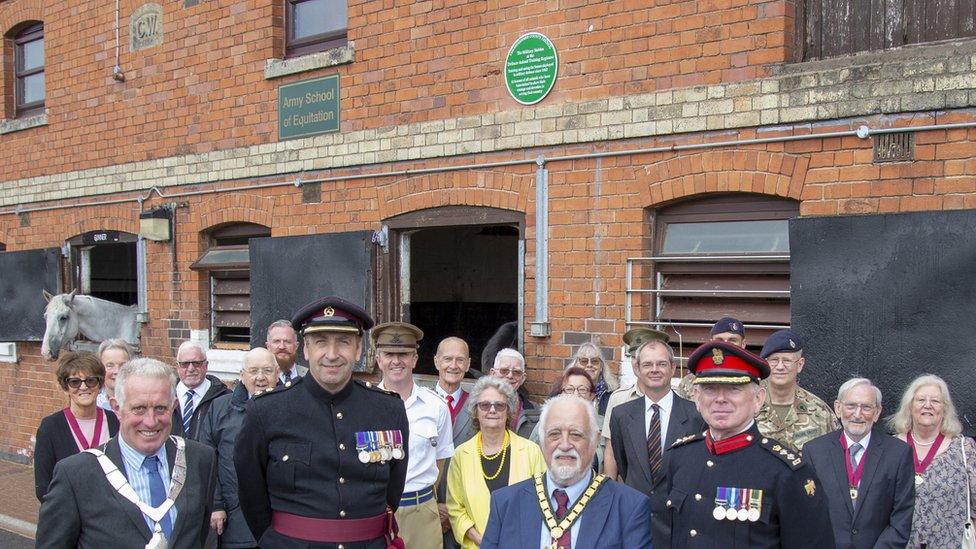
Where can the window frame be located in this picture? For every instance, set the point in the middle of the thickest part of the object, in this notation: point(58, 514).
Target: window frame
point(310, 44)
point(31, 33)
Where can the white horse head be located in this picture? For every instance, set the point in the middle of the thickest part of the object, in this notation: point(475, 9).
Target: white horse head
point(62, 324)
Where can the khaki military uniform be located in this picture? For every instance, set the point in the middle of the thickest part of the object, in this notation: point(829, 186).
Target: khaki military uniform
point(808, 418)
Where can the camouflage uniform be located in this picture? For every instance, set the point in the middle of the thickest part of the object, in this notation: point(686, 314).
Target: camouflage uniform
point(686, 387)
point(807, 419)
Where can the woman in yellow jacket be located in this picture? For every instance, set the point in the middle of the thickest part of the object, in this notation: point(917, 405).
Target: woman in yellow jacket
point(494, 458)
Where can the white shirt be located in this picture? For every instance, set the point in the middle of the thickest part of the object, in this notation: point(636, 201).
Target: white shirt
point(198, 393)
point(456, 395)
point(573, 491)
point(864, 446)
point(431, 437)
point(665, 405)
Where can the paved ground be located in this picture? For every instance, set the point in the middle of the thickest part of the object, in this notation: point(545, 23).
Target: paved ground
point(18, 506)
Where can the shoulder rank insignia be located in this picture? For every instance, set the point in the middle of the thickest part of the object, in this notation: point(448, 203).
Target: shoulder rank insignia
point(686, 439)
point(810, 487)
point(278, 388)
point(374, 387)
point(774, 447)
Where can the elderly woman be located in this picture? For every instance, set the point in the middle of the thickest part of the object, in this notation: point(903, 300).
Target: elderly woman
point(80, 426)
point(113, 353)
point(590, 358)
point(928, 422)
point(575, 381)
point(219, 429)
point(494, 458)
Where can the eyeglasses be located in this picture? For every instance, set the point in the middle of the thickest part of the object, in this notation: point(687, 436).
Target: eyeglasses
point(586, 361)
point(581, 390)
point(90, 382)
point(505, 372)
point(486, 406)
point(851, 408)
point(270, 372)
point(193, 363)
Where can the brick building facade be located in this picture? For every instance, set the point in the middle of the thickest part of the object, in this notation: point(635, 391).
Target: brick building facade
point(657, 105)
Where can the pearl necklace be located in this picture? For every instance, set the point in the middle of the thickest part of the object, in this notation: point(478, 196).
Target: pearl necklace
point(920, 443)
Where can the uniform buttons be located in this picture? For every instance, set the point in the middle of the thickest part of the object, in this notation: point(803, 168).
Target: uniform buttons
point(749, 438)
point(342, 480)
point(341, 546)
point(339, 415)
point(765, 441)
point(669, 503)
point(284, 457)
point(342, 446)
point(697, 497)
point(710, 463)
point(342, 513)
point(693, 533)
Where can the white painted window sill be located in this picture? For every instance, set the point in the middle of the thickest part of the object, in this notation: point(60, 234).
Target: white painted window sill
point(276, 68)
point(10, 125)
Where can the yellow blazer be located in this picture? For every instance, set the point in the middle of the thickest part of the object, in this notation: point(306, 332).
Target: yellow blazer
point(468, 498)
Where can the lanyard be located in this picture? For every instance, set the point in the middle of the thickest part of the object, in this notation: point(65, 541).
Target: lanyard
point(921, 466)
point(76, 429)
point(853, 477)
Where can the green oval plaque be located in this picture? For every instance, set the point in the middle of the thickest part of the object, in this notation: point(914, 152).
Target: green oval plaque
point(530, 68)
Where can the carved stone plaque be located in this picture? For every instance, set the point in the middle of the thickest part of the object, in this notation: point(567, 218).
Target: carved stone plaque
point(146, 27)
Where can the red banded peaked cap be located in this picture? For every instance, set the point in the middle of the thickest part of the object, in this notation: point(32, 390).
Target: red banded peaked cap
point(331, 314)
point(720, 362)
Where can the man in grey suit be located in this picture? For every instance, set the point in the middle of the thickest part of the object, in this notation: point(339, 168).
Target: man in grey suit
point(452, 362)
point(642, 429)
point(868, 476)
point(83, 509)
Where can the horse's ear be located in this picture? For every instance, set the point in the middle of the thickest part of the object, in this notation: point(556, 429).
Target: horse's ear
point(72, 294)
point(47, 296)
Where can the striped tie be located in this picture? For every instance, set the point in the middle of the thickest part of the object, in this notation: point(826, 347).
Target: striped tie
point(654, 442)
point(187, 412)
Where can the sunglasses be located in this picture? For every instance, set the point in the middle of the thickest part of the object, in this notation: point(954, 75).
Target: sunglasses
point(90, 382)
point(485, 406)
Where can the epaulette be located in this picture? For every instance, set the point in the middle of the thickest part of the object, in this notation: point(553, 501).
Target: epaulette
point(279, 388)
point(780, 450)
point(690, 438)
point(374, 387)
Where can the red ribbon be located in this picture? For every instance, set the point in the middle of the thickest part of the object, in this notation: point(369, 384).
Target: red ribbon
point(921, 466)
point(76, 429)
point(853, 477)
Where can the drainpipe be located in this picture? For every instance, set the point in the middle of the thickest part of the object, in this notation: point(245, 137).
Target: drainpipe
point(540, 327)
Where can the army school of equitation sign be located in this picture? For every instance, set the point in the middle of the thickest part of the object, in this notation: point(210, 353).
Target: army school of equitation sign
point(309, 107)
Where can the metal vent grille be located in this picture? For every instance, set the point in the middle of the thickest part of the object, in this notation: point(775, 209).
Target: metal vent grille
point(894, 147)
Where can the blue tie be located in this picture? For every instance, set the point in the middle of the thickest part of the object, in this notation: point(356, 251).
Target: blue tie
point(188, 413)
point(157, 492)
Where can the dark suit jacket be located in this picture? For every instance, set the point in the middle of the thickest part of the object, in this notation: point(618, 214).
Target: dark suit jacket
point(217, 389)
point(629, 440)
point(618, 517)
point(83, 510)
point(886, 496)
point(55, 442)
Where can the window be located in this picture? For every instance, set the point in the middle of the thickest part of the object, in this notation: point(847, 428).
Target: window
point(843, 27)
point(104, 264)
point(314, 25)
point(29, 71)
point(723, 255)
point(227, 260)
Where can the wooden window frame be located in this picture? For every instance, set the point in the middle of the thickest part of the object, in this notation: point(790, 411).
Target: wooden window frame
point(310, 44)
point(30, 34)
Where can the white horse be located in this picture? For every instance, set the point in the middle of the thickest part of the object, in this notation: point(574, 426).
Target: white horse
point(96, 319)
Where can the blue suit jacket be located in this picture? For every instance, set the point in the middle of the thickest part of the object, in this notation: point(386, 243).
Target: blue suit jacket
point(617, 517)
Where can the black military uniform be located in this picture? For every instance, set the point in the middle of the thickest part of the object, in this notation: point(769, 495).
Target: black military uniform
point(745, 491)
point(299, 466)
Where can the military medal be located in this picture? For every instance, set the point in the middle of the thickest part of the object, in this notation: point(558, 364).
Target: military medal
point(921, 466)
point(742, 513)
point(730, 511)
point(361, 447)
point(755, 505)
point(721, 502)
point(385, 452)
point(397, 445)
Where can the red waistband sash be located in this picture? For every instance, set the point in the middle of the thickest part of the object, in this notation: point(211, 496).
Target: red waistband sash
point(76, 429)
point(336, 530)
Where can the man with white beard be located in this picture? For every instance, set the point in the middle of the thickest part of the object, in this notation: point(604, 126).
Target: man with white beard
point(605, 513)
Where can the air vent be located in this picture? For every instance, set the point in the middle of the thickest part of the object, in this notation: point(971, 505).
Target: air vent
point(894, 147)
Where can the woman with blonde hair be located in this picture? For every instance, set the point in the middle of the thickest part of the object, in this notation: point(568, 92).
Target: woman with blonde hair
point(927, 420)
point(590, 358)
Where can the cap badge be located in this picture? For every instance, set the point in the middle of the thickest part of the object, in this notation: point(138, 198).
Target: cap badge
point(734, 327)
point(329, 311)
point(717, 356)
point(792, 344)
point(395, 338)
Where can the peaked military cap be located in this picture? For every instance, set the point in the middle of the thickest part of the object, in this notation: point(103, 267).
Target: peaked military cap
point(782, 341)
point(331, 314)
point(728, 324)
point(635, 337)
point(721, 362)
point(396, 337)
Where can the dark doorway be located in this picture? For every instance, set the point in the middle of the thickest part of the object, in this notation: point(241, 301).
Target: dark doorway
point(463, 281)
point(103, 265)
